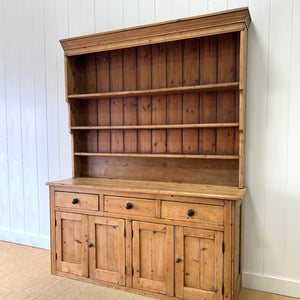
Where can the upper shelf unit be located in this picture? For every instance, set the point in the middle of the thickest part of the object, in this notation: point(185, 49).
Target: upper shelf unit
point(170, 90)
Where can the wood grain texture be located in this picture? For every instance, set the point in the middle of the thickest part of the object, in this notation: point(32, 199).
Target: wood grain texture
point(202, 213)
point(159, 113)
point(229, 21)
point(104, 106)
point(159, 91)
point(185, 170)
point(144, 102)
point(71, 243)
point(190, 106)
point(130, 104)
point(198, 190)
point(107, 253)
point(153, 262)
point(174, 102)
point(199, 271)
point(139, 207)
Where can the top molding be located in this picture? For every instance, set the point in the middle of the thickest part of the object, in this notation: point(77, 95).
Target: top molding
point(180, 29)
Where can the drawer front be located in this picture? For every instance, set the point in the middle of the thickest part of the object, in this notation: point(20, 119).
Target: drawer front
point(129, 206)
point(200, 213)
point(76, 200)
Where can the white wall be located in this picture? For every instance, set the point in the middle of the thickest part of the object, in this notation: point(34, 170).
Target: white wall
point(35, 143)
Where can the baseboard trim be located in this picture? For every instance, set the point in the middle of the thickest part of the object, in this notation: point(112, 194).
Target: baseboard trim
point(25, 239)
point(273, 285)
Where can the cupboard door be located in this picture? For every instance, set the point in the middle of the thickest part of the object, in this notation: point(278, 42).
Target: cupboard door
point(153, 257)
point(107, 249)
point(71, 243)
point(199, 264)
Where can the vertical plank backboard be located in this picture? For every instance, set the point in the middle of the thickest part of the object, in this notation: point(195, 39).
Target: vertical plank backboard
point(117, 113)
point(174, 102)
point(208, 104)
point(102, 61)
point(130, 103)
point(159, 102)
point(226, 100)
point(190, 107)
point(144, 103)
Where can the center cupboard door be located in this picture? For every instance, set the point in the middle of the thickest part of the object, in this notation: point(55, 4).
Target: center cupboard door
point(107, 249)
point(71, 243)
point(199, 264)
point(153, 257)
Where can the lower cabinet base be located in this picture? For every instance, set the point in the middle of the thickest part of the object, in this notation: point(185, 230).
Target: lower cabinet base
point(115, 286)
point(171, 248)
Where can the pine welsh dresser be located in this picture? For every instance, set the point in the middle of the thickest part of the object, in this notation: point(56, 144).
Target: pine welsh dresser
point(157, 123)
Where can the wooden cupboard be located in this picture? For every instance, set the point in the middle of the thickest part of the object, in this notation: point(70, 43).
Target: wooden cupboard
point(157, 121)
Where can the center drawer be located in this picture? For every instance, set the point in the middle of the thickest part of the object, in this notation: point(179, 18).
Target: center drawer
point(129, 206)
point(201, 213)
point(76, 200)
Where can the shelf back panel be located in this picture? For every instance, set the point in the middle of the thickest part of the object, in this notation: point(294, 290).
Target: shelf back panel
point(219, 172)
point(206, 60)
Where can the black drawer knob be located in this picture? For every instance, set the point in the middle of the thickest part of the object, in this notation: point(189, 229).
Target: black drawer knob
point(75, 201)
point(178, 260)
point(90, 245)
point(128, 205)
point(190, 212)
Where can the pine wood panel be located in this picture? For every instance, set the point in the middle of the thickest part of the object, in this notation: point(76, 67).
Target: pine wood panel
point(226, 101)
point(153, 260)
point(130, 104)
point(159, 91)
point(220, 172)
point(117, 112)
point(200, 269)
point(85, 201)
point(107, 253)
point(71, 243)
point(104, 118)
point(159, 102)
point(144, 102)
point(208, 104)
point(140, 207)
point(153, 187)
point(190, 106)
point(174, 102)
point(229, 21)
point(202, 213)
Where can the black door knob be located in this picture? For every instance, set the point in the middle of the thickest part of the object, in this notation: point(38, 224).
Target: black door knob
point(90, 245)
point(75, 201)
point(178, 260)
point(190, 212)
point(128, 205)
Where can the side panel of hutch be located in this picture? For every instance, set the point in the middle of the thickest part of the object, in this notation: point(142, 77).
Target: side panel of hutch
point(157, 120)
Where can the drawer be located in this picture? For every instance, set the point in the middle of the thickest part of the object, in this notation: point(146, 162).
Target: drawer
point(130, 206)
point(76, 200)
point(200, 213)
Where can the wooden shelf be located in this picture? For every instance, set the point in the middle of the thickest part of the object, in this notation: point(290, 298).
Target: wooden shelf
point(152, 155)
point(154, 187)
point(166, 126)
point(161, 91)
